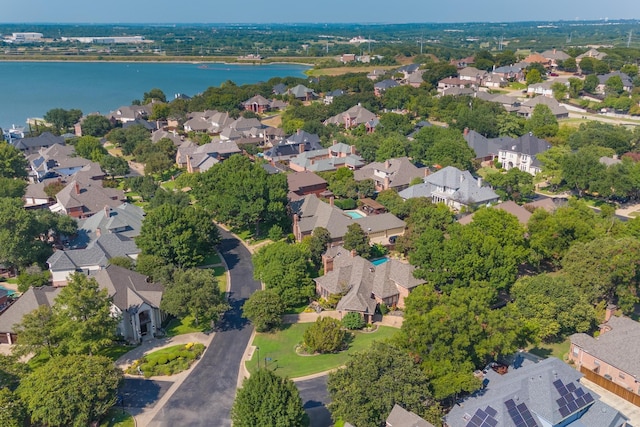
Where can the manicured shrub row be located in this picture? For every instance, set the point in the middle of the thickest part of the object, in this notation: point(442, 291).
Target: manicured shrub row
point(168, 361)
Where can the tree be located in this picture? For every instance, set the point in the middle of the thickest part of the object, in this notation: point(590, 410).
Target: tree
point(533, 77)
point(114, 166)
point(86, 384)
point(263, 309)
point(12, 187)
point(569, 65)
point(180, 236)
point(353, 320)
point(510, 125)
point(13, 164)
point(434, 145)
point(285, 268)
point(437, 71)
point(513, 185)
point(373, 381)
point(90, 148)
point(591, 82)
point(53, 188)
point(543, 123)
point(33, 276)
point(575, 86)
point(318, 243)
point(95, 125)
point(122, 261)
point(356, 239)
point(614, 86)
point(23, 239)
point(62, 119)
point(324, 336)
point(267, 399)
point(618, 138)
point(13, 412)
point(146, 186)
point(154, 94)
point(83, 316)
point(194, 292)
point(38, 332)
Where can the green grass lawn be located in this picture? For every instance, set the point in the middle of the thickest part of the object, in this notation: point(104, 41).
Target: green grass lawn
point(185, 326)
point(212, 258)
point(116, 417)
point(169, 185)
point(115, 351)
point(557, 350)
point(280, 348)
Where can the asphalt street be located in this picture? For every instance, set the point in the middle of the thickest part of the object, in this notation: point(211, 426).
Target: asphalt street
point(314, 399)
point(206, 396)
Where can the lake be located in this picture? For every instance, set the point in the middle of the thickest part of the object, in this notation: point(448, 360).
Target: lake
point(30, 89)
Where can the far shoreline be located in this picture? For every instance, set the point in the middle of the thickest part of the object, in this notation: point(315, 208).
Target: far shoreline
point(194, 61)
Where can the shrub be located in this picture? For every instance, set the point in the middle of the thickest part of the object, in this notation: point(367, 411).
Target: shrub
point(345, 203)
point(383, 308)
point(324, 336)
point(353, 321)
point(275, 233)
point(162, 360)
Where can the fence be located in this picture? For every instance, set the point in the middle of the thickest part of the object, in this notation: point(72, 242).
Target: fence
point(611, 386)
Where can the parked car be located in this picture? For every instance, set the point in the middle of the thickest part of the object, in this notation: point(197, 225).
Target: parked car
point(392, 239)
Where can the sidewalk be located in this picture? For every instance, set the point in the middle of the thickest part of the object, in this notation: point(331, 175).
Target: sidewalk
point(627, 408)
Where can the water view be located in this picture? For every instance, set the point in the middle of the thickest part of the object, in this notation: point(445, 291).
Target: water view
point(30, 89)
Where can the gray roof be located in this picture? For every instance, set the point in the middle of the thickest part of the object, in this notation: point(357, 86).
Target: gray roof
point(258, 100)
point(508, 69)
point(619, 346)
point(555, 107)
point(301, 91)
point(399, 170)
point(127, 288)
point(482, 146)
point(280, 89)
point(97, 253)
point(310, 140)
point(626, 80)
point(526, 144)
point(32, 144)
point(400, 417)
point(322, 161)
point(358, 115)
point(511, 207)
point(535, 389)
point(386, 84)
point(556, 55)
point(29, 301)
point(125, 219)
point(89, 195)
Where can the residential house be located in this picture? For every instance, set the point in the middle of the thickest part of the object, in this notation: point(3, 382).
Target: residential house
point(172, 135)
point(304, 183)
point(150, 126)
point(353, 117)
point(400, 417)
point(555, 57)
point(486, 149)
point(125, 220)
point(613, 354)
point(532, 393)
point(363, 284)
point(33, 145)
point(381, 87)
point(302, 93)
point(134, 300)
point(548, 204)
point(457, 91)
point(463, 62)
point(510, 207)
point(129, 113)
point(345, 58)
point(336, 156)
point(493, 81)
point(591, 53)
point(543, 89)
point(279, 89)
point(457, 189)
point(285, 149)
point(473, 75)
point(407, 70)
point(311, 212)
point(82, 198)
point(522, 153)
point(242, 128)
point(394, 173)
point(199, 158)
point(527, 107)
point(455, 82)
point(415, 79)
point(510, 72)
point(627, 82)
point(330, 96)
point(258, 104)
point(376, 74)
point(537, 58)
point(57, 160)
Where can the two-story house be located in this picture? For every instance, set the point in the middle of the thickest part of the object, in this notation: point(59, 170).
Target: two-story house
point(521, 154)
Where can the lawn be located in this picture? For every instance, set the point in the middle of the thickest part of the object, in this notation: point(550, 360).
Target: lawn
point(185, 326)
point(278, 349)
point(212, 258)
point(557, 350)
point(117, 417)
point(115, 351)
point(169, 185)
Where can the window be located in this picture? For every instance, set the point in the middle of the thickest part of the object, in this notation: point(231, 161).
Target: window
point(576, 351)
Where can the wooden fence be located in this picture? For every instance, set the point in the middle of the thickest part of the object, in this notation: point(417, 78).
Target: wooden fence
point(611, 386)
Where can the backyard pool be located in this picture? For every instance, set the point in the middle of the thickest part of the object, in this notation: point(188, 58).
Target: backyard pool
point(354, 214)
point(380, 261)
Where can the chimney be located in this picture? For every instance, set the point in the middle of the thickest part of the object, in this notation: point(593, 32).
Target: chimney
point(298, 132)
point(387, 183)
point(554, 50)
point(479, 181)
point(77, 187)
point(335, 142)
point(608, 313)
point(331, 201)
point(353, 253)
point(353, 149)
point(301, 148)
point(466, 131)
point(107, 211)
point(387, 164)
point(98, 232)
point(327, 263)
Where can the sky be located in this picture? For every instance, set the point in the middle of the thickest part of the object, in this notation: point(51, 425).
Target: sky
point(313, 11)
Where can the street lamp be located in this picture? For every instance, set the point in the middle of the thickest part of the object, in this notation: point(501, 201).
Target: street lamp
point(258, 350)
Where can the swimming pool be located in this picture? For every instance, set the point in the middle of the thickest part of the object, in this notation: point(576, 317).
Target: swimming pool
point(379, 261)
point(354, 214)
point(9, 291)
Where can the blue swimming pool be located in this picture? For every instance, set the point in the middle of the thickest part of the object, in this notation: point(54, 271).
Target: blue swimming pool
point(379, 261)
point(354, 214)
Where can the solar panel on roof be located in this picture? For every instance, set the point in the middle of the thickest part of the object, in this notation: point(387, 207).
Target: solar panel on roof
point(561, 401)
point(563, 391)
point(472, 424)
point(491, 422)
point(588, 398)
point(572, 407)
point(571, 387)
point(579, 392)
point(558, 384)
point(481, 414)
point(531, 423)
point(564, 411)
point(477, 420)
point(491, 411)
point(510, 403)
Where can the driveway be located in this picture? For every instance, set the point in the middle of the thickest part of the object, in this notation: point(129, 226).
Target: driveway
point(206, 396)
point(314, 399)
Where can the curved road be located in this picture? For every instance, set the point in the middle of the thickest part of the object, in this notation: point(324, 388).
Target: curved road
point(206, 396)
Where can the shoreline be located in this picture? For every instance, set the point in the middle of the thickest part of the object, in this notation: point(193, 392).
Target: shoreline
point(159, 61)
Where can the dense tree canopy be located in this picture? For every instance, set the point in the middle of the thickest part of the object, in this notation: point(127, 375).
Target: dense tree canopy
point(13, 163)
point(263, 309)
point(434, 145)
point(268, 400)
point(62, 119)
point(95, 125)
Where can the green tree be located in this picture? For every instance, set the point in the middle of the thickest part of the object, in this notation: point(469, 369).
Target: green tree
point(591, 82)
point(86, 384)
point(357, 240)
point(318, 243)
point(146, 186)
point(23, 239)
point(510, 125)
point(434, 145)
point(616, 137)
point(575, 87)
point(263, 309)
point(154, 94)
point(90, 148)
point(62, 119)
point(325, 335)
point(378, 370)
point(13, 164)
point(38, 331)
point(533, 77)
point(542, 122)
point(614, 86)
point(122, 261)
point(95, 125)
point(114, 166)
point(437, 71)
point(13, 412)
point(353, 320)
point(180, 236)
point(513, 185)
point(569, 65)
point(12, 187)
point(194, 292)
point(83, 316)
point(33, 276)
point(267, 399)
point(160, 111)
point(53, 188)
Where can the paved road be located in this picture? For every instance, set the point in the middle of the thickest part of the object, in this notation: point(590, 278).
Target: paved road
point(206, 396)
point(315, 398)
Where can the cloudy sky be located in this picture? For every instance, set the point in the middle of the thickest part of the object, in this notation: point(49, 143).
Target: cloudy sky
point(324, 11)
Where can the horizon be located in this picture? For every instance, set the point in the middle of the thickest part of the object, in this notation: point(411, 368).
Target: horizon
point(291, 12)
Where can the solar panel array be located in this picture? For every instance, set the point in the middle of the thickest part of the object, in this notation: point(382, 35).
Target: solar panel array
point(572, 398)
point(520, 414)
point(484, 418)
